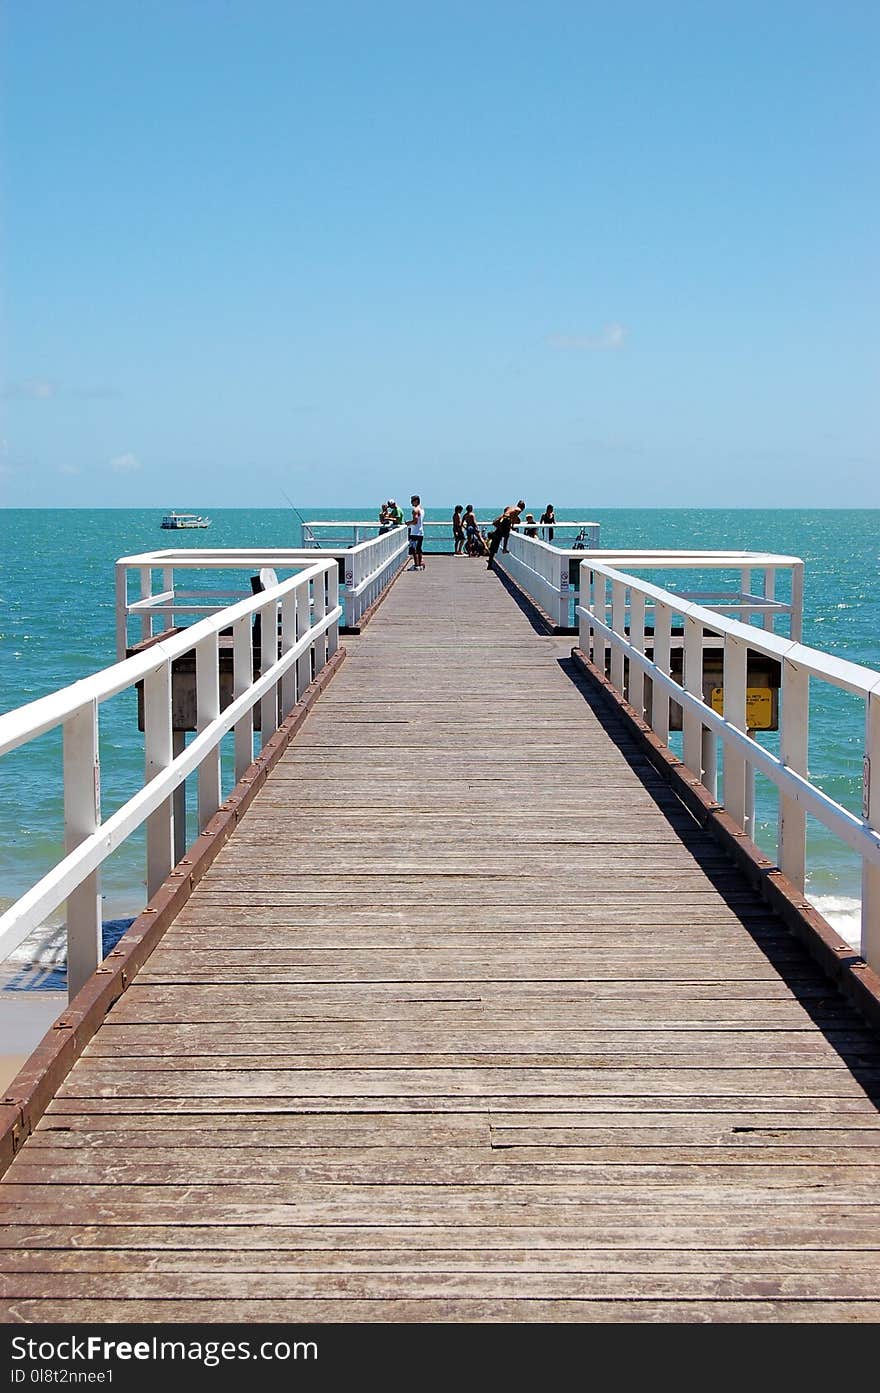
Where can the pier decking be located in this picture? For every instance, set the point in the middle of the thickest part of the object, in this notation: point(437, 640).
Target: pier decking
point(468, 1021)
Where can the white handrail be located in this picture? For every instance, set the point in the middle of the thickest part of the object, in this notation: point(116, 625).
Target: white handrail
point(369, 567)
point(309, 609)
point(619, 626)
point(168, 604)
point(544, 573)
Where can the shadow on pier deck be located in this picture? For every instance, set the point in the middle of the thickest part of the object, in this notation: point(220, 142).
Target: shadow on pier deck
point(468, 1021)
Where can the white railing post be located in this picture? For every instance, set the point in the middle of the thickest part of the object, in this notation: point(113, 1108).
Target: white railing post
point(871, 814)
point(242, 678)
point(333, 603)
point(662, 654)
point(168, 584)
point(796, 628)
point(288, 639)
point(709, 758)
point(693, 683)
point(121, 610)
point(303, 621)
point(158, 754)
point(768, 618)
point(352, 580)
point(793, 751)
point(178, 798)
point(618, 624)
point(268, 659)
point(146, 591)
point(563, 588)
point(734, 686)
point(636, 685)
point(207, 710)
point(745, 614)
point(82, 817)
point(600, 607)
point(319, 596)
point(585, 629)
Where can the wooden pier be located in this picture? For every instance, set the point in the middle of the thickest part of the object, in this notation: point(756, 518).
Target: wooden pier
point(468, 1021)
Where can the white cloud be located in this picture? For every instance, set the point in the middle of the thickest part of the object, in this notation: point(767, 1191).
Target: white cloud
point(35, 389)
point(68, 469)
point(612, 337)
point(125, 464)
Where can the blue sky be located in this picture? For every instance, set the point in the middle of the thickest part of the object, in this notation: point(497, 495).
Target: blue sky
point(617, 255)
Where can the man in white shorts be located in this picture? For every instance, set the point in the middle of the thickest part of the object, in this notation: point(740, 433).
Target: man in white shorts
point(417, 533)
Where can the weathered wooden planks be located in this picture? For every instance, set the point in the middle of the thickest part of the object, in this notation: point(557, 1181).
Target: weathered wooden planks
point(469, 1021)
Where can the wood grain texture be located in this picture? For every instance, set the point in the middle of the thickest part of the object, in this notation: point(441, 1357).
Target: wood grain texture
point(468, 1021)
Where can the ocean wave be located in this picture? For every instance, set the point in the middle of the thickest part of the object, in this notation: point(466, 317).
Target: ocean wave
point(843, 914)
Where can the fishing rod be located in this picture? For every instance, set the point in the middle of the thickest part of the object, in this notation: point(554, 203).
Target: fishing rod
point(301, 518)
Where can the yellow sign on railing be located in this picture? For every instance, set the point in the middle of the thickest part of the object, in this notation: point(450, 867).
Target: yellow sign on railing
point(759, 706)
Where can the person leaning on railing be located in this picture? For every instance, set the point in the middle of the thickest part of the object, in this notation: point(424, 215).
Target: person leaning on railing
point(501, 528)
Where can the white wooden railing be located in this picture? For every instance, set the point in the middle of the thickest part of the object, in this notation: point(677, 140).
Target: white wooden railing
point(612, 616)
point(303, 612)
point(317, 532)
point(158, 607)
point(370, 567)
point(547, 576)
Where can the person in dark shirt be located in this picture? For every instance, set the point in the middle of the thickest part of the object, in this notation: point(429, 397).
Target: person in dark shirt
point(502, 526)
point(458, 530)
point(548, 515)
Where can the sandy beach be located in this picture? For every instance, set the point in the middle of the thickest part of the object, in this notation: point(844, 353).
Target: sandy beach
point(27, 1010)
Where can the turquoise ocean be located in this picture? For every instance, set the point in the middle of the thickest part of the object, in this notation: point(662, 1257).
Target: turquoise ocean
point(57, 625)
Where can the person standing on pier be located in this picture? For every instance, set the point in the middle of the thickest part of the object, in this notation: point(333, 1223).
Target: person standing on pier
point(417, 533)
point(501, 529)
point(548, 515)
point(474, 544)
point(395, 513)
point(458, 530)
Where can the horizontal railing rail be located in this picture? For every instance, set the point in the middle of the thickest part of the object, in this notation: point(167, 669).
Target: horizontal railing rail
point(550, 576)
point(613, 614)
point(313, 531)
point(303, 615)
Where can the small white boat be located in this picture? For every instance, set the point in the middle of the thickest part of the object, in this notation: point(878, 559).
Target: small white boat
point(178, 520)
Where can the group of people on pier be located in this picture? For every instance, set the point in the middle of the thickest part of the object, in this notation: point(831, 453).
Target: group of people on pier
point(468, 535)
